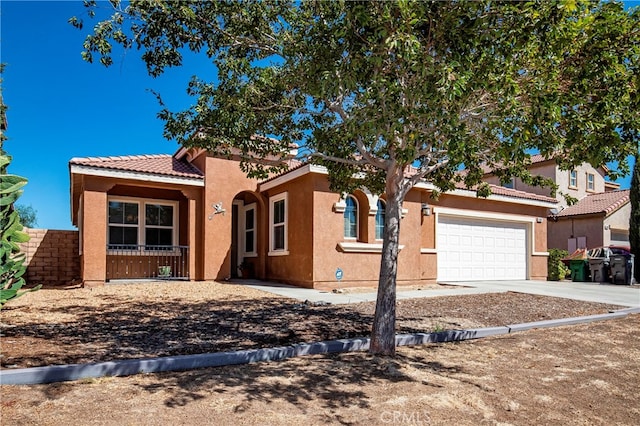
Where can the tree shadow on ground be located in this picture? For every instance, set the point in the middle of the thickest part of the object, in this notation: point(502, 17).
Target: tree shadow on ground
point(126, 327)
point(129, 329)
point(333, 381)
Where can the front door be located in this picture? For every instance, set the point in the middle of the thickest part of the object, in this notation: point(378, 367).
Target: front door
point(243, 239)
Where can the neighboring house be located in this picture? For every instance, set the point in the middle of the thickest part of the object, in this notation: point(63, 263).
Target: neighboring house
point(600, 216)
point(596, 220)
point(195, 216)
point(577, 183)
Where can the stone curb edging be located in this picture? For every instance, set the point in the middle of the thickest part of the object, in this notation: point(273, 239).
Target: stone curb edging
point(61, 373)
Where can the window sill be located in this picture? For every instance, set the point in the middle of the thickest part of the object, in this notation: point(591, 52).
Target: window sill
point(249, 254)
point(278, 253)
point(355, 247)
point(428, 251)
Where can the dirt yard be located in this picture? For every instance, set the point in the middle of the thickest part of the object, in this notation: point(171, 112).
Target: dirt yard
point(585, 374)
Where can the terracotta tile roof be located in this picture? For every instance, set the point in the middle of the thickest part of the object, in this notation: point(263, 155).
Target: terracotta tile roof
point(495, 189)
point(292, 164)
point(513, 193)
point(604, 202)
point(160, 164)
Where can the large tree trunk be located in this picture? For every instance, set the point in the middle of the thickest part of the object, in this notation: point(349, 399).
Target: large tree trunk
point(383, 334)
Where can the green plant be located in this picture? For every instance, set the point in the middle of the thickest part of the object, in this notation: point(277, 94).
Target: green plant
point(246, 269)
point(556, 270)
point(12, 266)
point(164, 271)
point(439, 328)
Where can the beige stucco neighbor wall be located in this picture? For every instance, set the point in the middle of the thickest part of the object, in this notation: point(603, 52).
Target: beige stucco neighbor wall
point(51, 256)
point(546, 169)
point(617, 221)
point(580, 191)
point(549, 169)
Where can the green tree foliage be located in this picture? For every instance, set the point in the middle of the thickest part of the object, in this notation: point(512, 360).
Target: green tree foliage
point(387, 94)
point(28, 215)
point(634, 219)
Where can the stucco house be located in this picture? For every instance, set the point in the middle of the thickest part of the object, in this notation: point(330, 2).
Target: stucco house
point(600, 217)
point(195, 216)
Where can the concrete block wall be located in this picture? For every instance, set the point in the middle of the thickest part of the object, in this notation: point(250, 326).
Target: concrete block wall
point(52, 256)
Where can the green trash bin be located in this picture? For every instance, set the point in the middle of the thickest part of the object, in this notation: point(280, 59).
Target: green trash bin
point(579, 269)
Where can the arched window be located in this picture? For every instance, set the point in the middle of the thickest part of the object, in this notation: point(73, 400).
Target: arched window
point(351, 217)
point(380, 219)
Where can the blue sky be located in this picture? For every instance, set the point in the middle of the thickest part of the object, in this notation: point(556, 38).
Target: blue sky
point(61, 107)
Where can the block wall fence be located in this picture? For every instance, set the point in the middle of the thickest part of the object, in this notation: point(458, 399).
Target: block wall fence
point(51, 256)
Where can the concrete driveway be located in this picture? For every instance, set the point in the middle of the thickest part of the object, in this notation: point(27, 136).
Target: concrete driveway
point(622, 295)
point(591, 292)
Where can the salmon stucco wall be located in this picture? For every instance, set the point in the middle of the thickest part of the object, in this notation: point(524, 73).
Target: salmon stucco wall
point(295, 266)
point(361, 267)
point(92, 222)
point(224, 181)
point(94, 231)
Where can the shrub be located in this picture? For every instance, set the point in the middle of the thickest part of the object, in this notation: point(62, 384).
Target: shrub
point(557, 270)
point(12, 266)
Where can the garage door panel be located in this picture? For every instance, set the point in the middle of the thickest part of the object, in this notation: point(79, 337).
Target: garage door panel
point(477, 249)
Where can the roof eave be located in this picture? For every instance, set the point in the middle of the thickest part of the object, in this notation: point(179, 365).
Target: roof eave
point(135, 175)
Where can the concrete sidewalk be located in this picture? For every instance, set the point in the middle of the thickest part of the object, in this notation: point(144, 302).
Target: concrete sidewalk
point(326, 296)
point(590, 292)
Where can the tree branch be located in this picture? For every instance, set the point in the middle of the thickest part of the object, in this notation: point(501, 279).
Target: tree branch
point(352, 162)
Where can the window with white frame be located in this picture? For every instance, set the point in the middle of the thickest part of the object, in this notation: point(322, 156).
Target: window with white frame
point(573, 179)
point(351, 217)
point(148, 223)
point(250, 230)
point(123, 225)
point(511, 183)
point(158, 230)
point(380, 219)
point(591, 179)
point(278, 225)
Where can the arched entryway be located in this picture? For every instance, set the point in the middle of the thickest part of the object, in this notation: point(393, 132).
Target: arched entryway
point(247, 210)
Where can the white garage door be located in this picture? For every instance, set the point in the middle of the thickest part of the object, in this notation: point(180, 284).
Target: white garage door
point(475, 249)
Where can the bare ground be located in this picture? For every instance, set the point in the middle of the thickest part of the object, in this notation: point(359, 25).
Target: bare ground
point(585, 374)
point(80, 325)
